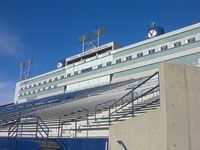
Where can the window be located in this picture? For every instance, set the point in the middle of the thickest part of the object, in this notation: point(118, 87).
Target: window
point(86, 70)
point(191, 40)
point(62, 77)
point(128, 57)
point(21, 88)
point(118, 60)
point(164, 47)
point(69, 75)
point(29, 86)
point(54, 86)
point(50, 80)
point(56, 78)
point(99, 66)
point(108, 63)
point(49, 88)
point(151, 51)
point(39, 83)
point(44, 82)
point(34, 85)
point(177, 44)
point(76, 73)
point(139, 54)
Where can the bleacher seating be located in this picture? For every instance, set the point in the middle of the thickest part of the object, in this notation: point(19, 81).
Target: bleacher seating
point(85, 113)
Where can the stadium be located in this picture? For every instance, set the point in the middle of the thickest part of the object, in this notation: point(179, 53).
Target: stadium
point(110, 97)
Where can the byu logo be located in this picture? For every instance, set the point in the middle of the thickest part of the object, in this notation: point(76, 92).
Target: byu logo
point(59, 65)
point(152, 33)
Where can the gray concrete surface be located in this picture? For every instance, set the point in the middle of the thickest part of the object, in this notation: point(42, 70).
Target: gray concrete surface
point(174, 126)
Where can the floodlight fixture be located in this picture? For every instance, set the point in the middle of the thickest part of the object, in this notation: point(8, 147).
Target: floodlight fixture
point(82, 40)
point(98, 33)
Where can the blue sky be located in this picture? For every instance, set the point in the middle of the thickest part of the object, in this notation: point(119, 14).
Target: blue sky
point(47, 30)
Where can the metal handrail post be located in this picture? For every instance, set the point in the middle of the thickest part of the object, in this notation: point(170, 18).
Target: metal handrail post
point(59, 126)
point(87, 121)
point(37, 127)
point(46, 143)
point(132, 97)
point(109, 116)
point(17, 129)
point(61, 132)
point(75, 128)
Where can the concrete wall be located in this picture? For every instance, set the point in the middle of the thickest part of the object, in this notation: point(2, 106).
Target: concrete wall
point(174, 126)
point(180, 93)
point(141, 133)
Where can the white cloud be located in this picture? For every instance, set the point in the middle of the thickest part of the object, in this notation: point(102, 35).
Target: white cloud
point(7, 92)
point(9, 42)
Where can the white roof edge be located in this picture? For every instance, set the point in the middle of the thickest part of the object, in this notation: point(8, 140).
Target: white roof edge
point(197, 25)
point(41, 75)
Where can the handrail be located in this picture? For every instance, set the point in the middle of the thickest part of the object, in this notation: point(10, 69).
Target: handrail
point(41, 129)
point(152, 89)
point(102, 104)
point(46, 133)
point(39, 122)
point(135, 88)
point(61, 143)
point(116, 101)
point(129, 113)
point(13, 129)
point(42, 122)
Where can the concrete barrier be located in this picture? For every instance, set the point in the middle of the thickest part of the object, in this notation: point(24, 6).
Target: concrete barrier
point(173, 126)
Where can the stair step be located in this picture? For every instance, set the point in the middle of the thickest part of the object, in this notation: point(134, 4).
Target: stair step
point(91, 129)
point(106, 120)
point(51, 145)
point(126, 112)
point(96, 125)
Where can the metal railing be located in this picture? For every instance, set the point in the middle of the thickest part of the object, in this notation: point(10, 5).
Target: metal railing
point(131, 102)
point(30, 127)
point(146, 88)
point(62, 142)
point(121, 100)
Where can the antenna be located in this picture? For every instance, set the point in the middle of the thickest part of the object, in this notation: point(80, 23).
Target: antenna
point(22, 64)
point(99, 32)
point(152, 24)
point(29, 63)
point(82, 40)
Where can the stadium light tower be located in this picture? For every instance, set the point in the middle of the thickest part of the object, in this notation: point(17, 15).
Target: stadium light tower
point(22, 64)
point(99, 32)
point(82, 40)
point(29, 63)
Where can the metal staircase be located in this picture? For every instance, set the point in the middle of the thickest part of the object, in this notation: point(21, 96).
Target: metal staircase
point(35, 129)
point(140, 99)
point(31, 128)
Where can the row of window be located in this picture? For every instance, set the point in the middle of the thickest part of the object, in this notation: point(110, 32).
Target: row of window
point(140, 54)
point(41, 83)
point(38, 90)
